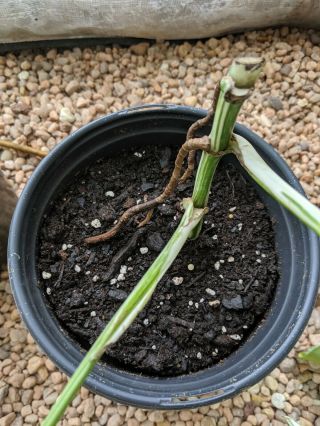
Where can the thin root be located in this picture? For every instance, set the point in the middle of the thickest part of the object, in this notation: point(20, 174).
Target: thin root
point(187, 149)
point(191, 144)
point(22, 148)
point(192, 130)
point(189, 170)
point(146, 219)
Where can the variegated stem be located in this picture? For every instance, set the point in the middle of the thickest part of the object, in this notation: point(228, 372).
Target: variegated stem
point(274, 185)
point(234, 90)
point(128, 311)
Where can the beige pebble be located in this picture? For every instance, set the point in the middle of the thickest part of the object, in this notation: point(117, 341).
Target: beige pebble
point(156, 416)
point(7, 420)
point(51, 398)
point(29, 382)
point(208, 421)
point(305, 422)
point(134, 422)
point(34, 364)
point(18, 335)
point(314, 339)
point(191, 101)
point(72, 87)
point(185, 415)
point(140, 415)
point(32, 419)
point(287, 365)
point(115, 420)
point(56, 377)
point(26, 410)
point(16, 380)
point(6, 155)
point(271, 383)
point(140, 48)
point(66, 115)
point(88, 408)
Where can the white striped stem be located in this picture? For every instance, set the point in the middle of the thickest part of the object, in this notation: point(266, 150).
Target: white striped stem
point(128, 311)
point(234, 90)
point(274, 185)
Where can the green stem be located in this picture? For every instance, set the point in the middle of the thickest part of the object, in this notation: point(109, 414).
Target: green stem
point(206, 170)
point(274, 185)
point(128, 311)
point(234, 90)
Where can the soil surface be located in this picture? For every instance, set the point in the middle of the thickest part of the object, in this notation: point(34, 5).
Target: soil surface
point(210, 301)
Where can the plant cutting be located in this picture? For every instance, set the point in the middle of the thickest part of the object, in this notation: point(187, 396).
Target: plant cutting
point(233, 90)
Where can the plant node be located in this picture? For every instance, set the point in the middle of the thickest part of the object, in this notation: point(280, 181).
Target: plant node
point(189, 149)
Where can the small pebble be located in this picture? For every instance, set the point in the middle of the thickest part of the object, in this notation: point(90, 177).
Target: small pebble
point(123, 269)
point(177, 280)
point(46, 275)
point(144, 250)
point(278, 400)
point(235, 336)
point(109, 194)
point(66, 115)
point(214, 303)
point(96, 223)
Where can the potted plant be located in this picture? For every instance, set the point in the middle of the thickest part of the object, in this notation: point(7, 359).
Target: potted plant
point(38, 235)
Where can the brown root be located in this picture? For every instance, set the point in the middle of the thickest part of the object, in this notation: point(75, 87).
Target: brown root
point(191, 144)
point(187, 149)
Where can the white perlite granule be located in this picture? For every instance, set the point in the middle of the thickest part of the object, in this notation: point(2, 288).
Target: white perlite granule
point(96, 223)
point(46, 275)
point(177, 280)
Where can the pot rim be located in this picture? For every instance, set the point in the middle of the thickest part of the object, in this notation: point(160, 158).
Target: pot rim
point(19, 288)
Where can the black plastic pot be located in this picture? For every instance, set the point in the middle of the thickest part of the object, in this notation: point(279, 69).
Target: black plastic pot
point(298, 250)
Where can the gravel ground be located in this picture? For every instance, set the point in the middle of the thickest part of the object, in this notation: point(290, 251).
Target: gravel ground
point(45, 96)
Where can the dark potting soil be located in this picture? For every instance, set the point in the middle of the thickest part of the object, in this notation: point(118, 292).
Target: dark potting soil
point(210, 301)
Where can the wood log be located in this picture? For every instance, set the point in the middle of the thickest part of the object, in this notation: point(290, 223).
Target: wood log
point(8, 201)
